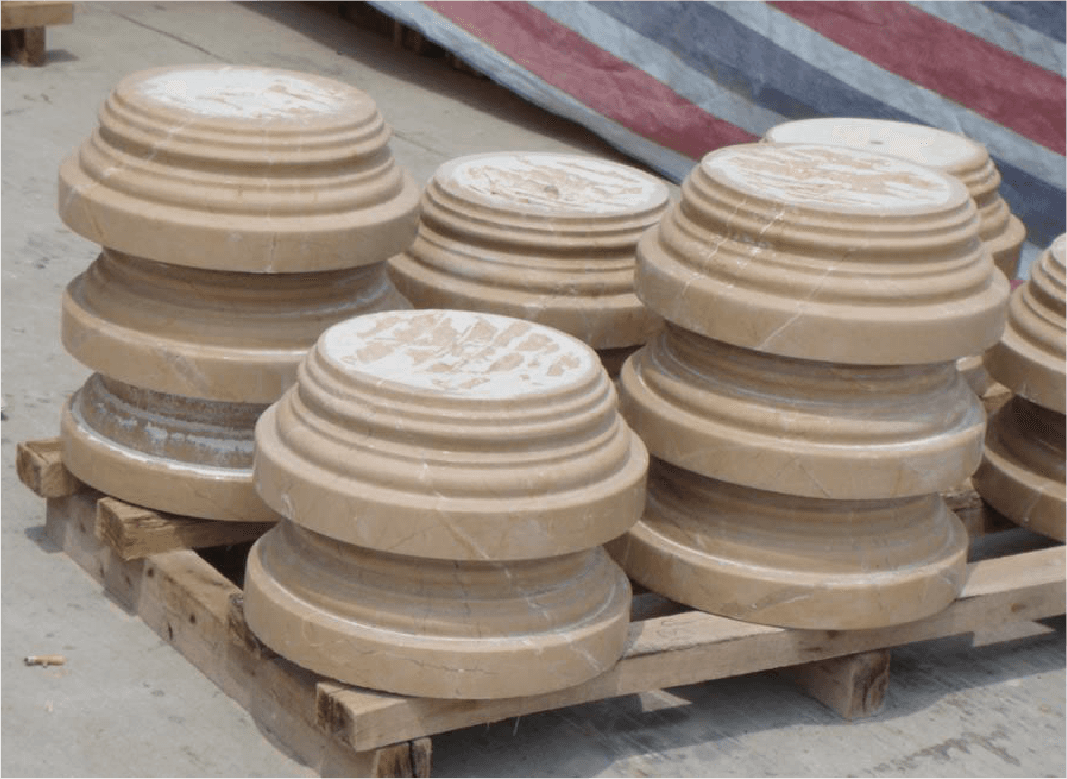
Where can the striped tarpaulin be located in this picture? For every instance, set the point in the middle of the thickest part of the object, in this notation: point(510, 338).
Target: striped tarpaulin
point(666, 82)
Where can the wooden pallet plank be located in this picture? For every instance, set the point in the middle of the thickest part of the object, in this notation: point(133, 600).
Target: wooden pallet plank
point(39, 465)
point(188, 603)
point(692, 647)
point(135, 532)
point(19, 14)
point(854, 686)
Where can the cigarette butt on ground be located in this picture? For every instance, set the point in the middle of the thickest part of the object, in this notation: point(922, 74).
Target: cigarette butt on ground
point(45, 660)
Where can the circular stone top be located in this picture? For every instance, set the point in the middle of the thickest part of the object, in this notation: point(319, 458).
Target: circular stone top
point(549, 238)
point(240, 169)
point(831, 178)
point(248, 93)
point(458, 353)
point(1031, 357)
point(925, 145)
point(559, 184)
point(824, 253)
point(452, 435)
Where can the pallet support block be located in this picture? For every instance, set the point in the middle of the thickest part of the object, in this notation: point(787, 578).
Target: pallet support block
point(24, 23)
point(853, 686)
point(39, 465)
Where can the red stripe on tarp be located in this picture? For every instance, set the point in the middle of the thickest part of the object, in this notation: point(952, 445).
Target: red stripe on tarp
point(606, 84)
point(945, 59)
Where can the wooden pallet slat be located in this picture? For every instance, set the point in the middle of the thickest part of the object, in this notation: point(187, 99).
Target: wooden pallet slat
point(39, 465)
point(23, 26)
point(135, 532)
point(20, 14)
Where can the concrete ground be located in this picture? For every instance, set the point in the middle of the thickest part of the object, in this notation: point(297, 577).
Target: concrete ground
point(126, 704)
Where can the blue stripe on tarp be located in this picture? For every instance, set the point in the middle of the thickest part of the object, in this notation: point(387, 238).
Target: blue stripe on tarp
point(1047, 18)
point(1041, 207)
point(739, 59)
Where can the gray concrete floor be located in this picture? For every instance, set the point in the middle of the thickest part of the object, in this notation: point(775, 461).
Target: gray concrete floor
point(126, 704)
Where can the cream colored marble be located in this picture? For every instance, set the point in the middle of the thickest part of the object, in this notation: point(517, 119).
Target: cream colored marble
point(545, 237)
point(240, 169)
point(824, 253)
point(436, 628)
point(447, 478)
point(182, 455)
point(951, 153)
point(800, 427)
point(452, 435)
point(797, 562)
point(1031, 358)
point(216, 335)
point(1022, 474)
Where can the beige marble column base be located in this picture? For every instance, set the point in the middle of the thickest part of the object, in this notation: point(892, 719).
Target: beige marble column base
point(951, 153)
point(452, 435)
point(438, 629)
point(1022, 473)
point(824, 253)
point(1031, 357)
point(181, 455)
point(234, 337)
point(798, 426)
point(240, 168)
point(540, 236)
point(795, 562)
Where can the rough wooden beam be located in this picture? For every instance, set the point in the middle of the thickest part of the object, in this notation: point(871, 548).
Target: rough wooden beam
point(39, 465)
point(135, 532)
point(854, 686)
point(18, 14)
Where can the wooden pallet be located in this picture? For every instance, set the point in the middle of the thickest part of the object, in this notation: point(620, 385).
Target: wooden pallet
point(340, 729)
point(24, 22)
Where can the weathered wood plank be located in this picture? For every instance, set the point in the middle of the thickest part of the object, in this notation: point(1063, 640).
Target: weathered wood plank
point(39, 465)
point(135, 532)
point(19, 14)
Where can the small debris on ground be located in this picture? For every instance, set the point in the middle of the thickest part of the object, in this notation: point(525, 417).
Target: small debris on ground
point(45, 660)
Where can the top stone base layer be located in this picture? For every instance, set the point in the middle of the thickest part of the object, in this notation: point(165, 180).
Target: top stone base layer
point(824, 253)
point(929, 146)
point(240, 169)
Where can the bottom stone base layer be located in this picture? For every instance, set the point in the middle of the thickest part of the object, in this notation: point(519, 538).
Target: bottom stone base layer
point(436, 628)
point(794, 562)
point(1022, 472)
point(165, 452)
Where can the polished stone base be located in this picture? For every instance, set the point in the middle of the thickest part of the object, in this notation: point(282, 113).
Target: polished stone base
point(1022, 473)
point(795, 562)
point(436, 628)
point(165, 452)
